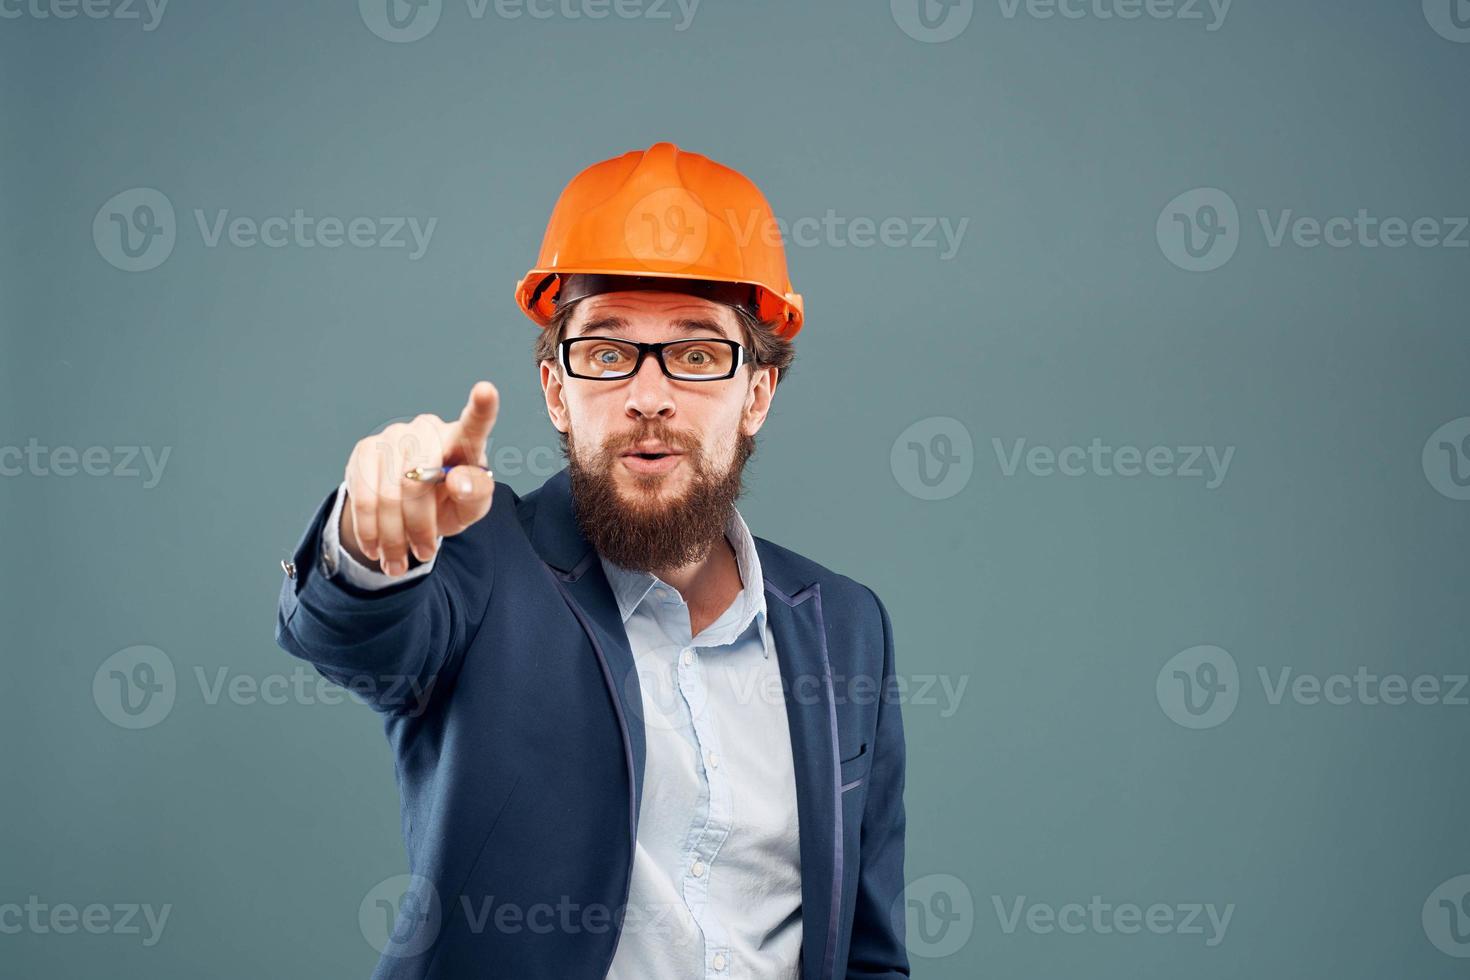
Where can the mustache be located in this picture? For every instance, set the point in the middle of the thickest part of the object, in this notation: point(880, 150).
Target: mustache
point(616, 446)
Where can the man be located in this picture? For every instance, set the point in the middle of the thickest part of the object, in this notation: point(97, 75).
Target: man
point(633, 740)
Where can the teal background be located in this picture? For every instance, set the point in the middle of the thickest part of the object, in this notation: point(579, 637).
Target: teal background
point(1055, 600)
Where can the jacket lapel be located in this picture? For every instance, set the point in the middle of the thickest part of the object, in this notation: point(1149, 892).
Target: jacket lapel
point(794, 611)
point(552, 528)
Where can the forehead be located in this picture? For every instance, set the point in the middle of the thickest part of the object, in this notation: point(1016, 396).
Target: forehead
point(649, 313)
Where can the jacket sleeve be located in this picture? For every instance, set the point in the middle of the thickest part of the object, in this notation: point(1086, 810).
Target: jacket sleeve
point(392, 647)
point(877, 948)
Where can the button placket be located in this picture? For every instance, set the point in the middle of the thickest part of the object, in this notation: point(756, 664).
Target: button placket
point(708, 840)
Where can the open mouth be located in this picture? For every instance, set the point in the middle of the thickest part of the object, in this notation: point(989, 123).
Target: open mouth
point(651, 462)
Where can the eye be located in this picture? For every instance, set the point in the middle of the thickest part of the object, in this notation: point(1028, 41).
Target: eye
point(608, 356)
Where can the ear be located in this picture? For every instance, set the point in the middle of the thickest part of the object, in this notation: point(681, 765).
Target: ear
point(552, 388)
point(758, 399)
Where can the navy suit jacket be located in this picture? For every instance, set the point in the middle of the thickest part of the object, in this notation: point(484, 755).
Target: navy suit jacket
point(509, 694)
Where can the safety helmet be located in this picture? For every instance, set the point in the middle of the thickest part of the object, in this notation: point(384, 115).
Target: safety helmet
point(663, 218)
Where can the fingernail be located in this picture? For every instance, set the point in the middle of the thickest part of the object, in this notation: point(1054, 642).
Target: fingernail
point(462, 486)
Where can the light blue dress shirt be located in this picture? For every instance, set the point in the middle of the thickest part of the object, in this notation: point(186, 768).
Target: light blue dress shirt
point(716, 885)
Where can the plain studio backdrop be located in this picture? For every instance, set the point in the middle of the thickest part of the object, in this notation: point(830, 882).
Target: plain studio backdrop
point(1134, 380)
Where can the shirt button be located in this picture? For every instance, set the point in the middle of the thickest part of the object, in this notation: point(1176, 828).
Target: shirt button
point(697, 868)
point(688, 657)
point(719, 961)
point(713, 760)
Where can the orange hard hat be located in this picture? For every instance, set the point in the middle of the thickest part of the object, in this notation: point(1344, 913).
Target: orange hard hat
point(664, 218)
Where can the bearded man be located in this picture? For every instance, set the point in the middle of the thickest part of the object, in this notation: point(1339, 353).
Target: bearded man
point(632, 739)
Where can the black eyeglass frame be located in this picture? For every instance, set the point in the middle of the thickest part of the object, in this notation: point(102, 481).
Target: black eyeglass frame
point(740, 360)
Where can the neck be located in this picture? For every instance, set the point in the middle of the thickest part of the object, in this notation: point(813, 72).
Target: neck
point(708, 586)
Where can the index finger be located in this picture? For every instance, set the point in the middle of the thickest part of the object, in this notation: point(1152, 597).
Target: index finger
point(475, 423)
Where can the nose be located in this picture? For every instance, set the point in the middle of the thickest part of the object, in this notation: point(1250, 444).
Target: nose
point(650, 392)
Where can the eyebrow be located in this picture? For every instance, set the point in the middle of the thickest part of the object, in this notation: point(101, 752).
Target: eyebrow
point(684, 324)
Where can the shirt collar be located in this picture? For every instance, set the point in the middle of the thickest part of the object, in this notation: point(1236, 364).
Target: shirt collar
point(631, 589)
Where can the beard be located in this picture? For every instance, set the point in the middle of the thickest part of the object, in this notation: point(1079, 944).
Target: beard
point(652, 533)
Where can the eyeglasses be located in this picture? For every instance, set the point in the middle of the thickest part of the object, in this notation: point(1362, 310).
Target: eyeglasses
point(611, 358)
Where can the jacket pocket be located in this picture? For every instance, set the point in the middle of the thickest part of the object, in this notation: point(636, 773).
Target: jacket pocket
point(855, 769)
